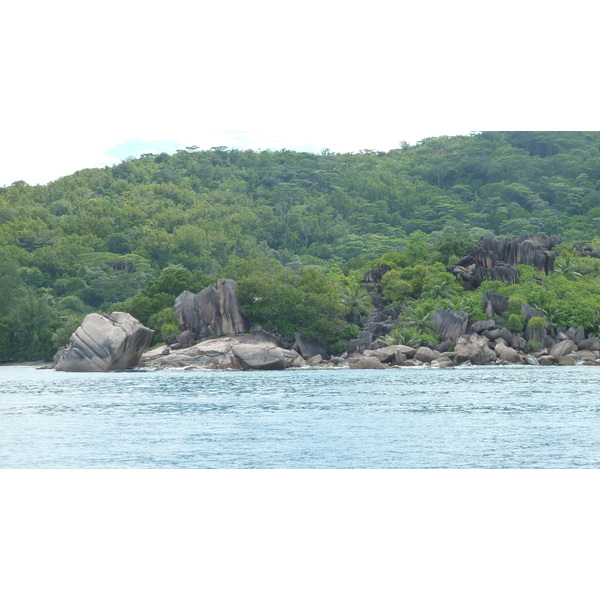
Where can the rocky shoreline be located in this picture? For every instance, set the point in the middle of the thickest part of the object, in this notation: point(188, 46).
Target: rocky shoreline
point(259, 350)
point(215, 335)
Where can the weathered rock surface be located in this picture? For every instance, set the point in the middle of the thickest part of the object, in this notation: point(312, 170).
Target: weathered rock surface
point(473, 348)
point(576, 334)
point(366, 362)
point(586, 354)
point(496, 259)
point(251, 356)
point(569, 360)
point(308, 348)
point(390, 354)
point(507, 353)
point(494, 304)
point(255, 350)
point(450, 324)
point(589, 344)
point(315, 360)
point(104, 343)
point(563, 348)
point(362, 343)
point(480, 326)
point(426, 355)
point(442, 362)
point(214, 311)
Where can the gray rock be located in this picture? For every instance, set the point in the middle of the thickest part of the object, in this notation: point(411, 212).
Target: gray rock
point(518, 342)
point(496, 334)
point(186, 339)
point(399, 358)
point(473, 348)
point(507, 353)
point(214, 311)
point(494, 304)
point(563, 348)
point(254, 357)
point(313, 361)
point(531, 360)
point(104, 343)
point(387, 353)
point(450, 324)
point(381, 327)
point(586, 355)
point(480, 326)
point(309, 348)
point(576, 334)
point(361, 343)
point(568, 361)
point(548, 342)
point(589, 344)
point(531, 312)
point(426, 355)
point(442, 362)
point(548, 359)
point(445, 346)
point(367, 362)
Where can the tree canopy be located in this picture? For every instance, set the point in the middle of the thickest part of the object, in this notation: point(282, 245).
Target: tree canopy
point(298, 228)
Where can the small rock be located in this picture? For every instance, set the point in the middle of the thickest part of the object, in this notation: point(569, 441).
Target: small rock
point(367, 362)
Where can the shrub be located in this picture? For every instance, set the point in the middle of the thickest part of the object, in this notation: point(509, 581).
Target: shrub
point(533, 346)
point(515, 322)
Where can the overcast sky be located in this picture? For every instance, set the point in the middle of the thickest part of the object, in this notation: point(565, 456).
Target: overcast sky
point(87, 84)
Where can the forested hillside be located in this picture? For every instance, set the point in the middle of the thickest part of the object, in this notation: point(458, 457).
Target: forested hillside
point(296, 229)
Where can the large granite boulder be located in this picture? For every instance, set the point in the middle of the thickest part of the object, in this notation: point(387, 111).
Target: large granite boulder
point(251, 356)
point(506, 353)
point(426, 355)
point(104, 343)
point(494, 304)
point(563, 348)
point(473, 348)
point(589, 344)
point(450, 324)
point(577, 334)
point(213, 311)
point(309, 348)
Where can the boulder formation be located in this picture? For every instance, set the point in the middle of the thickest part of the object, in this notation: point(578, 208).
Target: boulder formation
point(254, 350)
point(496, 259)
point(212, 312)
point(308, 348)
point(104, 343)
point(450, 324)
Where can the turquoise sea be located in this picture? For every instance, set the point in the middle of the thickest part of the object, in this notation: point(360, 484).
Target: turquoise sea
point(472, 417)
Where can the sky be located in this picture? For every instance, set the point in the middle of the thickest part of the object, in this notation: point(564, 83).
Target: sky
point(90, 84)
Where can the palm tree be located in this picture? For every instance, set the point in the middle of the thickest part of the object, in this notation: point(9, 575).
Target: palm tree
point(565, 265)
point(358, 302)
point(438, 289)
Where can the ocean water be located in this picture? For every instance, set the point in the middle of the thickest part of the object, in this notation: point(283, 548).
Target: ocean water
point(472, 417)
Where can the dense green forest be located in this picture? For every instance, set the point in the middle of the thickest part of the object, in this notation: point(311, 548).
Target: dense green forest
point(298, 231)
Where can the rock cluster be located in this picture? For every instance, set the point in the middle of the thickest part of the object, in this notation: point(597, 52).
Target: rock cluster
point(496, 259)
point(254, 350)
point(104, 343)
point(212, 312)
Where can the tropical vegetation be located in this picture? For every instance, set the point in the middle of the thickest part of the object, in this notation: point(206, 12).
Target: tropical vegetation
point(298, 232)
